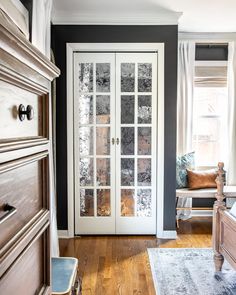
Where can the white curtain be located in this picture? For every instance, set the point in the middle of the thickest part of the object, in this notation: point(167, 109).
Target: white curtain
point(54, 235)
point(41, 27)
point(231, 163)
point(186, 59)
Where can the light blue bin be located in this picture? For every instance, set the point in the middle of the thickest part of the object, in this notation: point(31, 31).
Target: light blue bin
point(64, 274)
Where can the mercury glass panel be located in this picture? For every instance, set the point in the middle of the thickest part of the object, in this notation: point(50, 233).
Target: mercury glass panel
point(85, 109)
point(103, 77)
point(144, 140)
point(144, 202)
point(145, 77)
point(86, 202)
point(127, 172)
point(86, 172)
point(86, 141)
point(144, 172)
point(127, 202)
point(127, 141)
point(103, 109)
point(103, 202)
point(127, 77)
point(127, 109)
point(86, 77)
point(103, 172)
point(144, 109)
point(103, 140)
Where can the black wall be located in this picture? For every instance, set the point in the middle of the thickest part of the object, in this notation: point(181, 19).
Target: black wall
point(62, 34)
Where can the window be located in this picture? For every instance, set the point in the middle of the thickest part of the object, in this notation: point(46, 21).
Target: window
point(210, 112)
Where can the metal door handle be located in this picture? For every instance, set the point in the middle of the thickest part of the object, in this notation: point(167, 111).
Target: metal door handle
point(113, 140)
point(10, 210)
point(117, 141)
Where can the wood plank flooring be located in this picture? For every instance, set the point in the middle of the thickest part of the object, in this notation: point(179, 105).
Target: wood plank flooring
point(111, 265)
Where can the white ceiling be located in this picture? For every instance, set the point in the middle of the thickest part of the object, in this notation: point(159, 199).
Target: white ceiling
point(197, 15)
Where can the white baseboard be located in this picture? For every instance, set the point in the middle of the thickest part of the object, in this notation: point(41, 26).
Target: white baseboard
point(63, 234)
point(201, 213)
point(167, 234)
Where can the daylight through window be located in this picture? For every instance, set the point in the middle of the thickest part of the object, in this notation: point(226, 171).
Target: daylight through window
point(210, 113)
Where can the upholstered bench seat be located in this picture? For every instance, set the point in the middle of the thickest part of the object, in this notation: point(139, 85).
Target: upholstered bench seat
point(206, 193)
point(229, 192)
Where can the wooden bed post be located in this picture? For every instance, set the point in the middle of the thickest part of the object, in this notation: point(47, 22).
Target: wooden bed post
point(218, 205)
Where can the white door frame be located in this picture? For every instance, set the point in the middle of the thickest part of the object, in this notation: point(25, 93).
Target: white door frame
point(116, 47)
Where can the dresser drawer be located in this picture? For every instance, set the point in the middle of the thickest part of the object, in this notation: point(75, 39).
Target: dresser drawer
point(30, 273)
point(11, 127)
point(24, 189)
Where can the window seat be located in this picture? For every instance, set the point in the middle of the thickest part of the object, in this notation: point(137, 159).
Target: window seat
point(229, 192)
point(206, 193)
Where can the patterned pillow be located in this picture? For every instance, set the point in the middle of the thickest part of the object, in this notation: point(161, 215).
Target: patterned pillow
point(182, 163)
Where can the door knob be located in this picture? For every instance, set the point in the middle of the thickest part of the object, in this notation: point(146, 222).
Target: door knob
point(28, 112)
point(117, 141)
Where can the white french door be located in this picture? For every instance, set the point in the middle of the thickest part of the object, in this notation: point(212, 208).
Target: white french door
point(136, 86)
point(115, 106)
point(94, 126)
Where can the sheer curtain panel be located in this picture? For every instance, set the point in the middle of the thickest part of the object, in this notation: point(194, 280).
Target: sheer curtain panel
point(186, 60)
point(231, 165)
point(41, 25)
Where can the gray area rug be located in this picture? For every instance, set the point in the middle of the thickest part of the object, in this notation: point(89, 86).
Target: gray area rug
point(190, 272)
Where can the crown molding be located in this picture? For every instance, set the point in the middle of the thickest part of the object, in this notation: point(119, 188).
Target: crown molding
point(67, 18)
point(207, 37)
point(14, 44)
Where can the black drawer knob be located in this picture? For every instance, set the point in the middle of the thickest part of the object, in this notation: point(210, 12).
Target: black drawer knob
point(28, 112)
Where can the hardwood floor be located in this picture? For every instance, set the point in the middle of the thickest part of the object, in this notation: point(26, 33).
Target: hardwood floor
point(111, 265)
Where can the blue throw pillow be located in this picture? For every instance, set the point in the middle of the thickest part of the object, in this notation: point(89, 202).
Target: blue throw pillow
point(182, 163)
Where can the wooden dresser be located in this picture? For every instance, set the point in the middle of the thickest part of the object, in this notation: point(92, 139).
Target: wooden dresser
point(25, 76)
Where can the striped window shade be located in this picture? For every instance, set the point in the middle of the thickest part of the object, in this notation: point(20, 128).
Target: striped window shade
point(210, 76)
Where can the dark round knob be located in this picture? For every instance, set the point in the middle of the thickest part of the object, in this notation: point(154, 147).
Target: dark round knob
point(28, 112)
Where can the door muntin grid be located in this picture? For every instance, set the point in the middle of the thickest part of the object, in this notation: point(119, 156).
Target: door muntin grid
point(116, 178)
point(94, 137)
point(136, 95)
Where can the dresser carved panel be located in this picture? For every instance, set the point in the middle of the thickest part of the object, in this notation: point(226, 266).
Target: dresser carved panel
point(25, 77)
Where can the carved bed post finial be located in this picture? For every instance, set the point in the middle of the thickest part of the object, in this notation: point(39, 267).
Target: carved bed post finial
point(220, 181)
point(218, 205)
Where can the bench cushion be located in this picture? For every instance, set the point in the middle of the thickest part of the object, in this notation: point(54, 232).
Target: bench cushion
point(229, 192)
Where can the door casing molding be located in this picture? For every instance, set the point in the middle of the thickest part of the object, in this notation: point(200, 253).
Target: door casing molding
point(116, 47)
